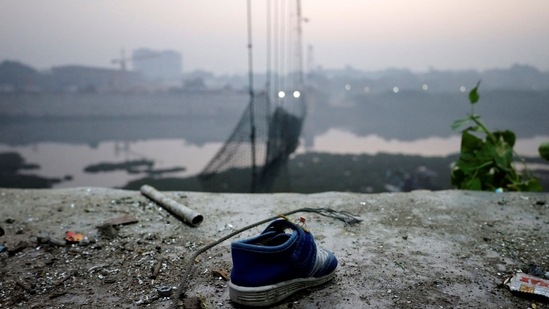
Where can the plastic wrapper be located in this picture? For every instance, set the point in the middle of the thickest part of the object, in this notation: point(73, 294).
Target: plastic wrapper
point(529, 284)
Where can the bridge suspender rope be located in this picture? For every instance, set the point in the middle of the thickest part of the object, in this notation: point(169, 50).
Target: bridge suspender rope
point(258, 149)
point(251, 90)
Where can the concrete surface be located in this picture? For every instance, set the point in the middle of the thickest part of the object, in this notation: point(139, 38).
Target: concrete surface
point(446, 249)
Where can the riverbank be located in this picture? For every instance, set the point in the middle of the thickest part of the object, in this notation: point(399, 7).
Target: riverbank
point(449, 249)
point(306, 173)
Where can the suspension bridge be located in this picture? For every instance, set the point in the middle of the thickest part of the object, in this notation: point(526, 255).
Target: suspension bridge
point(255, 155)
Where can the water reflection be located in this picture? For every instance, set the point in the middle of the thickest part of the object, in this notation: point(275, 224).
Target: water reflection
point(58, 160)
point(179, 158)
point(344, 142)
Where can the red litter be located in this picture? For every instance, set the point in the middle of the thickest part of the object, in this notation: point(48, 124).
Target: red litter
point(73, 237)
point(529, 284)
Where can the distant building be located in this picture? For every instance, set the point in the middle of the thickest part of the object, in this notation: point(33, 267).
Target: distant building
point(80, 78)
point(166, 65)
point(16, 76)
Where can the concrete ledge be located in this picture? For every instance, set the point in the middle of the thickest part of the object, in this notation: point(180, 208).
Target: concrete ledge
point(445, 249)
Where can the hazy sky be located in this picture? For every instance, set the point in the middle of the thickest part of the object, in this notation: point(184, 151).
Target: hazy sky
point(211, 35)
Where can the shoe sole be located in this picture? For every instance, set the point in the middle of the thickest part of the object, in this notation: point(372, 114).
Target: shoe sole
point(271, 294)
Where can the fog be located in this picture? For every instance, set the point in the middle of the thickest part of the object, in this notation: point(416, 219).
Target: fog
point(135, 82)
point(211, 35)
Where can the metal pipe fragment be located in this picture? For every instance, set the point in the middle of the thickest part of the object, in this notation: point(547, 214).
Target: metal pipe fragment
point(178, 210)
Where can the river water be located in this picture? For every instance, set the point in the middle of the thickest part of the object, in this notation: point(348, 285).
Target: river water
point(56, 160)
point(64, 133)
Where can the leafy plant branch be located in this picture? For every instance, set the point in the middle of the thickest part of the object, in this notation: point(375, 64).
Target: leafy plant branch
point(487, 164)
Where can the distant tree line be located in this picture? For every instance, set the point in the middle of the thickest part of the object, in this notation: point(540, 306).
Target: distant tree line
point(18, 77)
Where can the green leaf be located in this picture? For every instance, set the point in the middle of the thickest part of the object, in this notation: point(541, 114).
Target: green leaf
point(544, 150)
point(473, 94)
point(459, 123)
point(533, 185)
point(485, 155)
point(469, 142)
point(477, 128)
point(457, 177)
point(474, 184)
point(503, 156)
point(508, 136)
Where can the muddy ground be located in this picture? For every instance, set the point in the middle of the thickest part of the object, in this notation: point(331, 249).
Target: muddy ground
point(446, 249)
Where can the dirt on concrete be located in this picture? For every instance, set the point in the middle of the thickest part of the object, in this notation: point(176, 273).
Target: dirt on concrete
point(445, 249)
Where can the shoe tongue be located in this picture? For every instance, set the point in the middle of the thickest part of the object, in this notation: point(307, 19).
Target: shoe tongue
point(272, 238)
point(277, 232)
point(279, 239)
point(280, 226)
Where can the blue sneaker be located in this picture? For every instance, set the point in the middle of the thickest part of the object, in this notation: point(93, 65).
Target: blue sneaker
point(274, 265)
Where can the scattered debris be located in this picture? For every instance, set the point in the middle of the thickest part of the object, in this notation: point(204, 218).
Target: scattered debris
point(193, 303)
point(17, 248)
point(42, 238)
point(118, 270)
point(2, 248)
point(122, 220)
point(55, 295)
point(220, 273)
point(62, 280)
point(400, 264)
point(107, 231)
point(73, 237)
point(97, 267)
point(27, 287)
point(164, 291)
point(56, 242)
point(528, 284)
point(147, 300)
point(156, 268)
